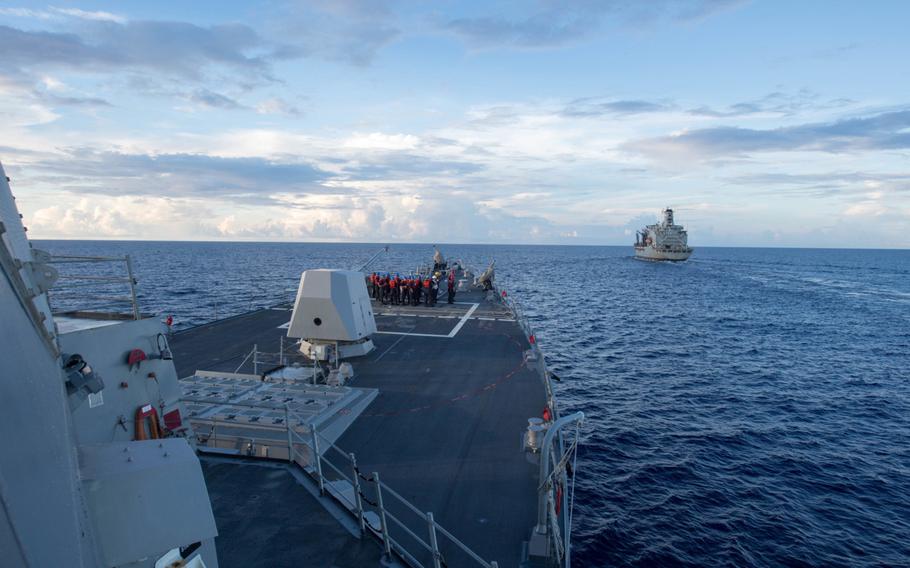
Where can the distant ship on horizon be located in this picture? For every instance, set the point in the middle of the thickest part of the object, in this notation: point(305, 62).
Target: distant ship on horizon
point(663, 241)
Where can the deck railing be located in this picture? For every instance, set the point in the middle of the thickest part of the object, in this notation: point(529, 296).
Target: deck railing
point(379, 509)
point(94, 285)
point(557, 517)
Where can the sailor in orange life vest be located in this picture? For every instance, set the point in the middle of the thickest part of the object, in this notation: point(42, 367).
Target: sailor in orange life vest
point(384, 282)
point(405, 290)
point(393, 290)
point(415, 290)
point(426, 292)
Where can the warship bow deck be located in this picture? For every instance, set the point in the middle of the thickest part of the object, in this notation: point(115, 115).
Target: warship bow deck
point(456, 389)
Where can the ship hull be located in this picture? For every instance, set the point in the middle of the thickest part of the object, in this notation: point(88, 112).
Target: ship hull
point(650, 253)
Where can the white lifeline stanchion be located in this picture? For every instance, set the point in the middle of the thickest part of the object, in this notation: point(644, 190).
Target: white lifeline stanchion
point(434, 546)
point(357, 497)
point(129, 272)
point(382, 520)
point(317, 461)
point(545, 467)
point(287, 425)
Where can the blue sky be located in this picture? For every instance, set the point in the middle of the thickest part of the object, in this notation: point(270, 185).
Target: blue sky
point(762, 123)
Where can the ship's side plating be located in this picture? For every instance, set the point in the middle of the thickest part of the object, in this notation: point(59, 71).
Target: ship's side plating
point(92, 474)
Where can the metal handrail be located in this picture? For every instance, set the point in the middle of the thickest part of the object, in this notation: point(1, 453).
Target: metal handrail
point(75, 280)
point(381, 488)
point(557, 450)
point(409, 532)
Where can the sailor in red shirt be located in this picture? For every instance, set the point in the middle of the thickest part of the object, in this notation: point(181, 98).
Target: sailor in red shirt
point(451, 287)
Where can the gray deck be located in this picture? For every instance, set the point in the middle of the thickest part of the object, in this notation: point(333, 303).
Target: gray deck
point(267, 518)
point(445, 431)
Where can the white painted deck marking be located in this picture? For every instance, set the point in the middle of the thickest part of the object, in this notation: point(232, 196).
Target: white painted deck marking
point(463, 319)
point(413, 334)
point(450, 335)
point(392, 346)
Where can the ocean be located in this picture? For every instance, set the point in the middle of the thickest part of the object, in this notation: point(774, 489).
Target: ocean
point(747, 407)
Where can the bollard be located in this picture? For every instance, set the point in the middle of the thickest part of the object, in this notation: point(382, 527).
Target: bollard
point(386, 541)
point(317, 461)
point(359, 499)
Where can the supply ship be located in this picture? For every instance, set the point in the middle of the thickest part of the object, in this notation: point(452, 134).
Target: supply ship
point(663, 241)
point(337, 430)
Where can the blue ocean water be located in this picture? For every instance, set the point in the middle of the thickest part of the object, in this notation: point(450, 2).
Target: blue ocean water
point(747, 407)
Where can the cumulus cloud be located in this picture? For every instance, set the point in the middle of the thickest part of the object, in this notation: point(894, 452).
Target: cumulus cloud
point(393, 218)
point(121, 217)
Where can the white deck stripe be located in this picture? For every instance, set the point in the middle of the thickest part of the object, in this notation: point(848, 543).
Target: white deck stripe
point(392, 346)
point(463, 319)
point(414, 334)
point(450, 335)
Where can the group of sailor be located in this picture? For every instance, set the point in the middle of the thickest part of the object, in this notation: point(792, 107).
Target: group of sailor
point(393, 289)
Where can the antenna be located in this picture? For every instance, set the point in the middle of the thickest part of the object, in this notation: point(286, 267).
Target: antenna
point(366, 264)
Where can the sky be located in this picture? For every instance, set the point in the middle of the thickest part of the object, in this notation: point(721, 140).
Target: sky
point(761, 123)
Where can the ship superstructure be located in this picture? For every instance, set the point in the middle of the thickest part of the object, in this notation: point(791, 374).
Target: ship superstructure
point(99, 467)
point(663, 241)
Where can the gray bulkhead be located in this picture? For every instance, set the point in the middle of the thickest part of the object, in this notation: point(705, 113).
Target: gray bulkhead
point(76, 489)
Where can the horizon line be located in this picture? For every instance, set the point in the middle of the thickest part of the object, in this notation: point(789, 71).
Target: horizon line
point(442, 243)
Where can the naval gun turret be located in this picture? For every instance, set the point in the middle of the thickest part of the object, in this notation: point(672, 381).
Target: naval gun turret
point(332, 315)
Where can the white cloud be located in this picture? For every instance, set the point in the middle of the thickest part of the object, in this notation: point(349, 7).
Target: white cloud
point(380, 141)
point(119, 217)
point(57, 13)
point(866, 209)
point(276, 105)
point(97, 16)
